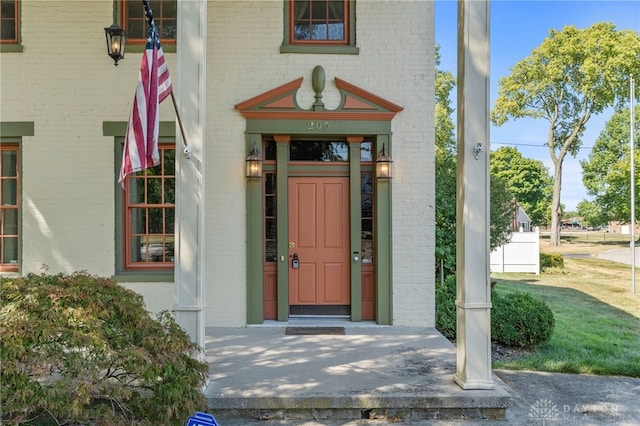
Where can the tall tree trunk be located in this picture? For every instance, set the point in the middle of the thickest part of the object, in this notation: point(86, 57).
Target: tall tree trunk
point(556, 209)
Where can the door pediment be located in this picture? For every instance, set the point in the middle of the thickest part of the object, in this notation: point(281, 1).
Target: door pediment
point(355, 104)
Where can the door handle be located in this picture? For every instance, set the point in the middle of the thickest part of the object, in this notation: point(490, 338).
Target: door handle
point(295, 263)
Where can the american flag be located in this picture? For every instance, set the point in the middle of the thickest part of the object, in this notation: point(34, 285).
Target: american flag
point(154, 85)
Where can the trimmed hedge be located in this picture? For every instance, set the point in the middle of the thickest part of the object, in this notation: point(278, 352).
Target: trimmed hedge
point(78, 349)
point(519, 319)
point(551, 261)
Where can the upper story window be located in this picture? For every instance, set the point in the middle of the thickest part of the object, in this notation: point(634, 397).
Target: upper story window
point(134, 20)
point(319, 26)
point(9, 21)
point(319, 21)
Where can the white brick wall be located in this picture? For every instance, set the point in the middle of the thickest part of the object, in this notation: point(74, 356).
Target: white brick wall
point(68, 86)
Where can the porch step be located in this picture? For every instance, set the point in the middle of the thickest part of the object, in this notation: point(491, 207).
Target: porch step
point(391, 374)
point(392, 409)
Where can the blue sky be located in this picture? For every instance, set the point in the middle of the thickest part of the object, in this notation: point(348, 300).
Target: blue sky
point(517, 27)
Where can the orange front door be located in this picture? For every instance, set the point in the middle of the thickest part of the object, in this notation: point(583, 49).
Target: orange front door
point(319, 240)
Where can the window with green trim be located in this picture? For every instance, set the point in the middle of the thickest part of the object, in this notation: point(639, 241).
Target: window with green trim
point(134, 20)
point(319, 26)
point(9, 21)
point(9, 207)
point(149, 215)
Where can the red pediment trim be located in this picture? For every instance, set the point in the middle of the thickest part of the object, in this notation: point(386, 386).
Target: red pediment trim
point(356, 104)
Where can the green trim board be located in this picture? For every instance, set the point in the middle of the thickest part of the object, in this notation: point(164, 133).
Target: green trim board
point(119, 128)
point(282, 185)
point(255, 246)
point(16, 128)
point(355, 231)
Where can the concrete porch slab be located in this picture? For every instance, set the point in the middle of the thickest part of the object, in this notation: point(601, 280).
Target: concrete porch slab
point(372, 372)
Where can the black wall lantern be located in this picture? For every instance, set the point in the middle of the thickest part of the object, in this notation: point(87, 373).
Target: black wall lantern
point(116, 42)
point(383, 165)
point(254, 164)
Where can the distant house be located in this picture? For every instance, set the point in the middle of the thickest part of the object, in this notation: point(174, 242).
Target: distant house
point(521, 220)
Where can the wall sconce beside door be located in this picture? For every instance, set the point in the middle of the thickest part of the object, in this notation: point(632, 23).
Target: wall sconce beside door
point(254, 164)
point(383, 165)
point(116, 42)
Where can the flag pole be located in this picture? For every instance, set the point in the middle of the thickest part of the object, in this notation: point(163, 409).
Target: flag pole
point(187, 149)
point(633, 184)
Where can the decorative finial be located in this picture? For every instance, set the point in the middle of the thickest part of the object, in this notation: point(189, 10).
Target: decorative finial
point(317, 82)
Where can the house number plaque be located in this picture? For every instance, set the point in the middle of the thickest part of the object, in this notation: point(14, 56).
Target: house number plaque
point(317, 125)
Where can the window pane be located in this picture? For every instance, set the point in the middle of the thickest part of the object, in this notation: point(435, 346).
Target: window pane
point(365, 152)
point(319, 10)
point(169, 191)
point(136, 29)
point(367, 206)
point(9, 162)
point(9, 192)
point(336, 10)
point(270, 151)
point(270, 229)
point(336, 31)
point(10, 222)
point(138, 249)
point(136, 190)
point(367, 251)
point(271, 252)
point(7, 9)
point(270, 206)
point(301, 32)
point(138, 221)
point(169, 158)
point(169, 255)
point(154, 191)
point(319, 31)
point(8, 31)
point(270, 183)
point(170, 221)
point(319, 151)
point(156, 221)
point(10, 250)
point(366, 183)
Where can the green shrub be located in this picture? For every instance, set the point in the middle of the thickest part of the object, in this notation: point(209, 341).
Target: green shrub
point(446, 307)
point(81, 349)
point(519, 319)
point(551, 261)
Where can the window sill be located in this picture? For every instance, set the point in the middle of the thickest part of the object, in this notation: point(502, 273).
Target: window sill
point(325, 49)
point(144, 276)
point(139, 48)
point(11, 48)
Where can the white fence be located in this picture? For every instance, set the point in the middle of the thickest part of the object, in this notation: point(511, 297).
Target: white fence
point(521, 254)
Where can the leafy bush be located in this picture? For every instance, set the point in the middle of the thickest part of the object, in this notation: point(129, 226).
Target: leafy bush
point(446, 307)
point(519, 319)
point(81, 349)
point(551, 261)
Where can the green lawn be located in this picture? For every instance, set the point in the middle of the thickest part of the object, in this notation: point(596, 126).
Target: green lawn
point(597, 318)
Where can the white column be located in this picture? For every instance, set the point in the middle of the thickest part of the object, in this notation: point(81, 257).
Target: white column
point(473, 370)
point(189, 86)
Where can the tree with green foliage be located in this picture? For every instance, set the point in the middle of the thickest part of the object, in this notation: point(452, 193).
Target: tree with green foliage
point(446, 167)
point(574, 74)
point(606, 173)
point(527, 179)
